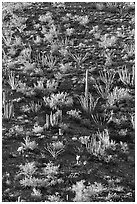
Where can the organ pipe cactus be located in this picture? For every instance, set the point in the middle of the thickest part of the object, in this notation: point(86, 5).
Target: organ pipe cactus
point(54, 119)
point(8, 111)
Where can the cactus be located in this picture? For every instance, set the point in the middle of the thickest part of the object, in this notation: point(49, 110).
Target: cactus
point(53, 119)
point(8, 112)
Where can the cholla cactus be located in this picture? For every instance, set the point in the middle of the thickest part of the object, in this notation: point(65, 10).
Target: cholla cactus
point(56, 101)
point(22, 87)
point(48, 175)
point(116, 95)
point(78, 188)
point(33, 182)
point(37, 129)
point(51, 85)
point(107, 41)
point(27, 145)
point(54, 198)
point(85, 193)
point(28, 169)
point(36, 193)
point(50, 169)
point(46, 18)
point(83, 20)
point(84, 139)
point(74, 114)
point(124, 147)
point(39, 85)
point(99, 143)
point(65, 67)
point(69, 31)
point(26, 53)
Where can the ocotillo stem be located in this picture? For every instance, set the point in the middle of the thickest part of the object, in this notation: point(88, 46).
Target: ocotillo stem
point(86, 84)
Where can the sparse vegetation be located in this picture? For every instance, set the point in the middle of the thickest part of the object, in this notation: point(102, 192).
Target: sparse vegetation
point(68, 101)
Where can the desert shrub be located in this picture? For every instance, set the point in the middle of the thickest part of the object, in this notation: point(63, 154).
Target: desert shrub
point(28, 169)
point(55, 148)
point(117, 94)
point(107, 41)
point(54, 198)
point(126, 77)
point(99, 143)
point(55, 101)
point(29, 173)
point(85, 193)
point(88, 103)
point(27, 145)
point(74, 114)
point(107, 77)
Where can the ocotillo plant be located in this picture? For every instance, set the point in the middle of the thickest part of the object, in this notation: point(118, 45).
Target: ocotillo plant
point(126, 77)
point(55, 148)
point(86, 86)
point(13, 82)
point(78, 58)
point(84, 99)
point(87, 101)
